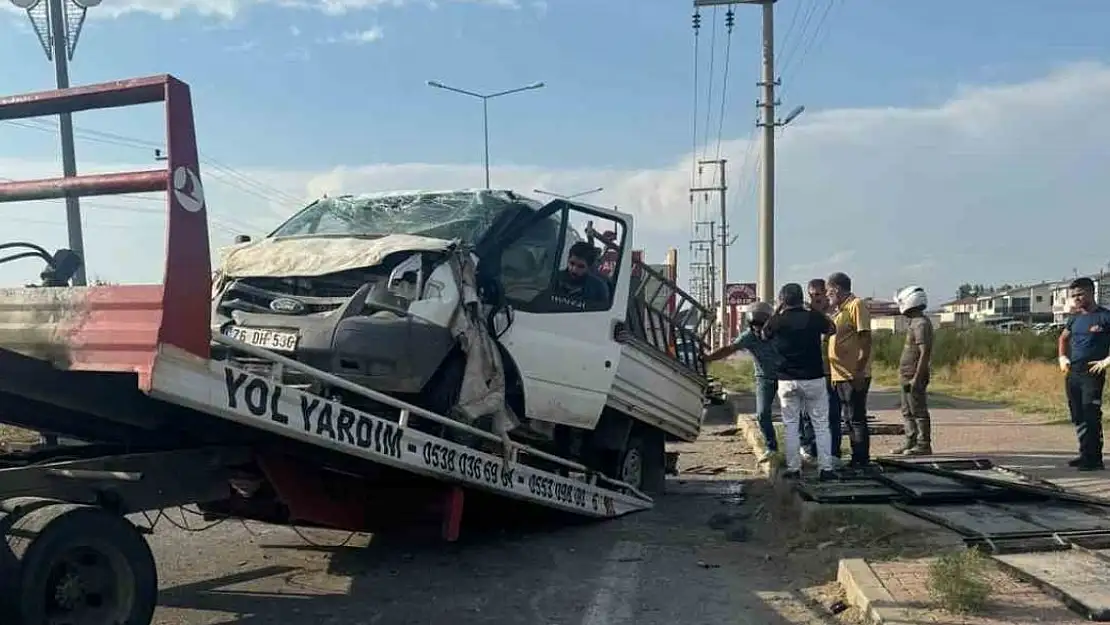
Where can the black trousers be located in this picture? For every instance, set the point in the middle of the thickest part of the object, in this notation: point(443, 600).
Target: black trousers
point(1084, 392)
point(853, 408)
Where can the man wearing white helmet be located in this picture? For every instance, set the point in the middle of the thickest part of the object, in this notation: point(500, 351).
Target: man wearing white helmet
point(766, 361)
point(913, 372)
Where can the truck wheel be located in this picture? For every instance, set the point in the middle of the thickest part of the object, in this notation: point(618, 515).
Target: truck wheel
point(644, 461)
point(70, 563)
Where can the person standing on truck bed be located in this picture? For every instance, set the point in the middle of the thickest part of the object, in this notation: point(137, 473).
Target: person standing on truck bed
point(578, 285)
point(1084, 353)
point(765, 359)
point(819, 301)
point(850, 363)
point(796, 332)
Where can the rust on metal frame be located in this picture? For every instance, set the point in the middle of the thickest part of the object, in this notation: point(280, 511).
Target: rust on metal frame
point(115, 94)
point(120, 328)
point(99, 184)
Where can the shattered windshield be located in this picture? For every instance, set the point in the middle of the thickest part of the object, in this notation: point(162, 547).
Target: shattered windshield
point(463, 215)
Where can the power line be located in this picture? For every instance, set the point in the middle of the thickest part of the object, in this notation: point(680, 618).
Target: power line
point(730, 21)
point(229, 175)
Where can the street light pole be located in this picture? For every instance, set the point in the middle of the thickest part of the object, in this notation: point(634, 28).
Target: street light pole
point(58, 30)
point(485, 98)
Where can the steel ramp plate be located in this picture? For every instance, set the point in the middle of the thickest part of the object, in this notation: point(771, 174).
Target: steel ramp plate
point(1077, 577)
point(849, 491)
point(1061, 517)
point(975, 519)
point(717, 488)
point(924, 486)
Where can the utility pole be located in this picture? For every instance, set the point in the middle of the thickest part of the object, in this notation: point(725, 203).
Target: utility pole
point(765, 275)
point(58, 25)
point(722, 275)
point(703, 261)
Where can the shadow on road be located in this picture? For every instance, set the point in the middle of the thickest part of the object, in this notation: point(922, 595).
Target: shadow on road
point(658, 567)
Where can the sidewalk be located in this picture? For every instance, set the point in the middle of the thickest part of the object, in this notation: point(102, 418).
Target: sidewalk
point(896, 592)
point(971, 428)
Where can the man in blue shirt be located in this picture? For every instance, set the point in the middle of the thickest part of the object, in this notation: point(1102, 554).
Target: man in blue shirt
point(766, 360)
point(1084, 355)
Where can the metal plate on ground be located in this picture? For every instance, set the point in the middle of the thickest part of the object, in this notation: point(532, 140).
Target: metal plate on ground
point(1076, 577)
point(850, 491)
point(975, 519)
point(923, 486)
point(1061, 517)
point(715, 488)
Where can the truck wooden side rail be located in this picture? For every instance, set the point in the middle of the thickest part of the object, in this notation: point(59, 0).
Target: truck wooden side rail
point(129, 369)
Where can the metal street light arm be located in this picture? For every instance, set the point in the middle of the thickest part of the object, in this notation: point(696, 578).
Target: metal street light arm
point(536, 85)
point(439, 85)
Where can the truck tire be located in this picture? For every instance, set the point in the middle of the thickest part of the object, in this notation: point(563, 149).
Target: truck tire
point(643, 463)
point(75, 560)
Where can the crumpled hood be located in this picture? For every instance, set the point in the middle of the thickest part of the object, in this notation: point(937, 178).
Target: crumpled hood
point(317, 255)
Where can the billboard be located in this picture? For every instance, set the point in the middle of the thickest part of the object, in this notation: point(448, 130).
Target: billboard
point(738, 295)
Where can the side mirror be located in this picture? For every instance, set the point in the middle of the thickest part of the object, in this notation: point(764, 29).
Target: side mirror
point(242, 238)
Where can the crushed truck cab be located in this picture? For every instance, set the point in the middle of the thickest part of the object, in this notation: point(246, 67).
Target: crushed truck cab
point(374, 289)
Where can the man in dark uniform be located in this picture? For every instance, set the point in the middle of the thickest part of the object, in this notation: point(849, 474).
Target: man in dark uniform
point(1084, 354)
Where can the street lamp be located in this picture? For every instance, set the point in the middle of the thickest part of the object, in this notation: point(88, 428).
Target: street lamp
point(58, 25)
point(568, 197)
point(485, 98)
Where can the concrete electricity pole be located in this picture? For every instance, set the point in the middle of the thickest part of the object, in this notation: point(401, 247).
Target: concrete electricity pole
point(722, 267)
point(58, 25)
point(765, 275)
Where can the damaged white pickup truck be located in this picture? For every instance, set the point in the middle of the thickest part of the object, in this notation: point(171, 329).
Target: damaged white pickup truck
point(458, 301)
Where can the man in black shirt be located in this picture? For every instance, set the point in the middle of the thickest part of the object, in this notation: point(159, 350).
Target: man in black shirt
point(578, 285)
point(797, 333)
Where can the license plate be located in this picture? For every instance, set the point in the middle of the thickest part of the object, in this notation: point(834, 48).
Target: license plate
point(276, 340)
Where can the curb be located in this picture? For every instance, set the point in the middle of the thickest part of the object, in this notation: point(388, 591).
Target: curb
point(749, 429)
point(864, 591)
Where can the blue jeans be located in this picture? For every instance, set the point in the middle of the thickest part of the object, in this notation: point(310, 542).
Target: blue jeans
point(835, 435)
point(765, 391)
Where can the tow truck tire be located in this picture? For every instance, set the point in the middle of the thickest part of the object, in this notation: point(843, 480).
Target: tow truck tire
point(79, 559)
point(644, 461)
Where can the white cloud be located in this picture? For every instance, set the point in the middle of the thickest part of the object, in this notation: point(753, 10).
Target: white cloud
point(357, 38)
point(227, 9)
point(999, 184)
point(295, 31)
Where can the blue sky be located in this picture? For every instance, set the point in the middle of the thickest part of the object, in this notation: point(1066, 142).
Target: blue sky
point(307, 96)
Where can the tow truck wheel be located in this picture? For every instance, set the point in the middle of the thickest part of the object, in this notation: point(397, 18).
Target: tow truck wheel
point(76, 565)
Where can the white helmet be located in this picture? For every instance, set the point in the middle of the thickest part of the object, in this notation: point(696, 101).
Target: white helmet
point(911, 297)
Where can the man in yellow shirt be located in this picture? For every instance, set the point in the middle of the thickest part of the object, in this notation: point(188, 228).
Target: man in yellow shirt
point(850, 363)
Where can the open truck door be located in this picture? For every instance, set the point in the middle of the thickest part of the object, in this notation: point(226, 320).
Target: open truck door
point(547, 323)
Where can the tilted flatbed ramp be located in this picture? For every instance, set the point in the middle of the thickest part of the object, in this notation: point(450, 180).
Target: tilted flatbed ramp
point(130, 367)
point(231, 393)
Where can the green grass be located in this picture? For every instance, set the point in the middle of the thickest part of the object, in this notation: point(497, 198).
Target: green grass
point(953, 345)
point(959, 581)
point(736, 375)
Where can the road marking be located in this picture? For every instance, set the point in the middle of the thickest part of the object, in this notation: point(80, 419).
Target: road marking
point(617, 586)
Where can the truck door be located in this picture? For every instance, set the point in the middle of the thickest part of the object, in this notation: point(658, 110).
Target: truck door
point(561, 331)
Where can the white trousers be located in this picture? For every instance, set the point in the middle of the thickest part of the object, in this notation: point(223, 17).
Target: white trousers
point(812, 396)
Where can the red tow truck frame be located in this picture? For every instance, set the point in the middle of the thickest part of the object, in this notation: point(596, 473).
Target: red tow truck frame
point(156, 441)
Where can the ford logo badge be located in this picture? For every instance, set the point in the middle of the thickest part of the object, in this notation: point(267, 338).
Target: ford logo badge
point(286, 306)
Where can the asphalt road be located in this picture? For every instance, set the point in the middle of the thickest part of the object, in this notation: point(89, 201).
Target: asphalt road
point(659, 567)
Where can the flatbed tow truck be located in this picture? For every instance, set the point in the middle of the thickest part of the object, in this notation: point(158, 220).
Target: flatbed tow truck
point(129, 370)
